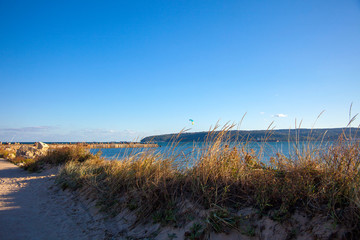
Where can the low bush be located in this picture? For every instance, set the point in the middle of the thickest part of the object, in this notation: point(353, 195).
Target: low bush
point(55, 157)
point(4, 153)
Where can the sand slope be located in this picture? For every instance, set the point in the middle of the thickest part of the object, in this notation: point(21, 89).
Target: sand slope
point(31, 207)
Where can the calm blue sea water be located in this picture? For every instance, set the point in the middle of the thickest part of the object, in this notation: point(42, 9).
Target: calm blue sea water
point(192, 150)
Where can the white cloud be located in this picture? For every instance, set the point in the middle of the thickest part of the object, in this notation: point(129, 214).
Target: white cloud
point(262, 113)
point(280, 115)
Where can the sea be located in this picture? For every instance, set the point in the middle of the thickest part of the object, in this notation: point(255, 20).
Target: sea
point(193, 150)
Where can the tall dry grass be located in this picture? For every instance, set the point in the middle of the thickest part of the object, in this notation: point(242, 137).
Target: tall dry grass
point(223, 175)
point(56, 157)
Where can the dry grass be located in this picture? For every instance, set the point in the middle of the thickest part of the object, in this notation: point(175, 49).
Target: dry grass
point(317, 179)
point(55, 157)
point(22, 161)
point(10, 155)
point(5, 153)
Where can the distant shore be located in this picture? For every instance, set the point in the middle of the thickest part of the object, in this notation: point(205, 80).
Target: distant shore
point(280, 135)
point(222, 192)
point(88, 145)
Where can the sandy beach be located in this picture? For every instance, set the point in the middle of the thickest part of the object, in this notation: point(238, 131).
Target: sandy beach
point(32, 207)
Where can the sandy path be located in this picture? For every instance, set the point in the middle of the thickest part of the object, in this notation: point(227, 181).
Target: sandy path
point(32, 207)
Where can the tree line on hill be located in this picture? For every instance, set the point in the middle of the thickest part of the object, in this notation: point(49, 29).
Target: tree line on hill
point(302, 134)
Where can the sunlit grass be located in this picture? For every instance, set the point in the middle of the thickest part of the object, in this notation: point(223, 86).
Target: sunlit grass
point(221, 175)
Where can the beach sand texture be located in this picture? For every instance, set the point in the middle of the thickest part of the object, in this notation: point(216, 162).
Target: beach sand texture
point(31, 207)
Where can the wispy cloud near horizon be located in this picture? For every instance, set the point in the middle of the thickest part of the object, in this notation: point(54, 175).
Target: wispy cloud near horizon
point(28, 129)
point(280, 115)
point(57, 134)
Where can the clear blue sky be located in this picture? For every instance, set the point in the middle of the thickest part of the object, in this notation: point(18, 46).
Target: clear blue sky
point(122, 70)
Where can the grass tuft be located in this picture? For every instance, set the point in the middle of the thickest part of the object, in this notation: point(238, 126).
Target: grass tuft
point(60, 156)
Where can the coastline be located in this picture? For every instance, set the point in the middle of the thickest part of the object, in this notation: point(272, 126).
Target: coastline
point(228, 194)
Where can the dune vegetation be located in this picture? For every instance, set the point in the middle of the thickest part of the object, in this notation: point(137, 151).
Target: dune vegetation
point(220, 180)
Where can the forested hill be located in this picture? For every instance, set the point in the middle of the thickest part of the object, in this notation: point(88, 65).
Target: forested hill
point(261, 135)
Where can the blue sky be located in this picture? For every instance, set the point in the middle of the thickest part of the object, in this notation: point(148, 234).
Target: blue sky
point(122, 70)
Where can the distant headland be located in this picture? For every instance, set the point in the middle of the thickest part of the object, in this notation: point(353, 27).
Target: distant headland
point(301, 134)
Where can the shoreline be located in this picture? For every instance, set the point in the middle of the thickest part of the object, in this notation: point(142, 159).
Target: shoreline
point(86, 145)
point(228, 194)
